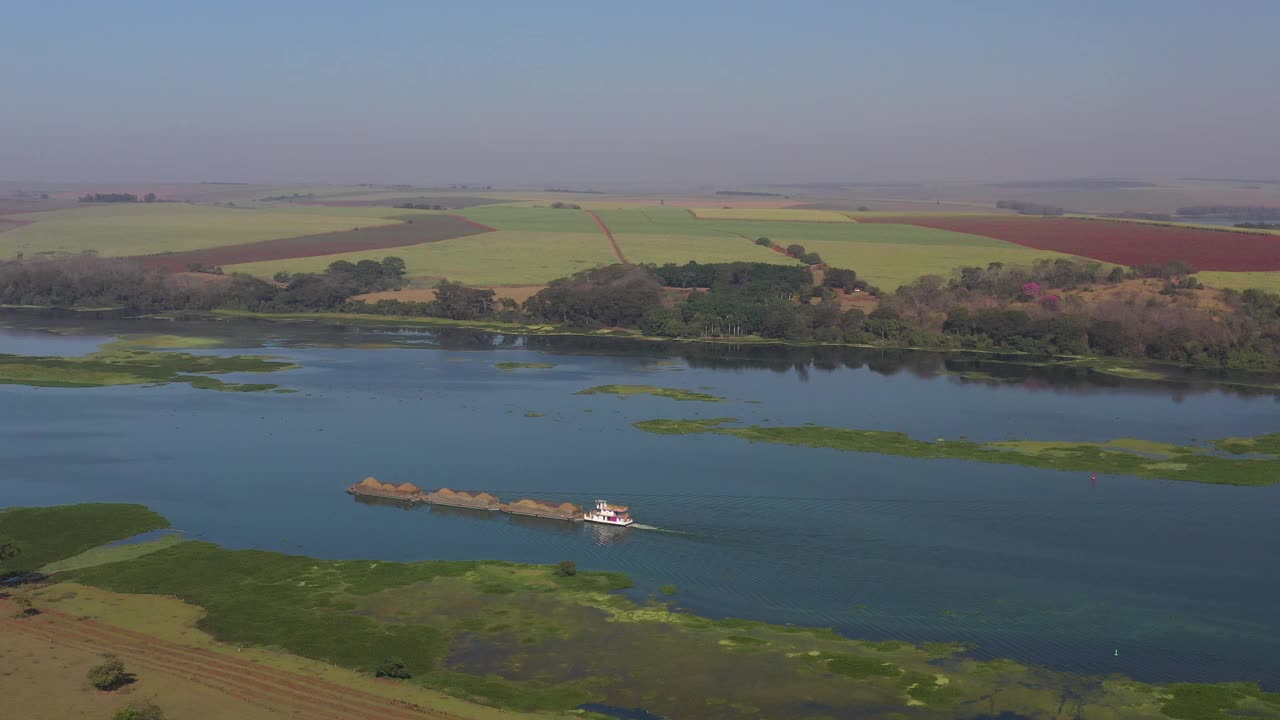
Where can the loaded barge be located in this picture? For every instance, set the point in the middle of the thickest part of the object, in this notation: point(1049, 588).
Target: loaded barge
point(408, 492)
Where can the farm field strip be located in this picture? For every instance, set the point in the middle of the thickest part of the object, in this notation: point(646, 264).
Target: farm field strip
point(145, 229)
point(222, 671)
point(679, 249)
point(545, 219)
point(1119, 242)
point(503, 257)
point(770, 214)
point(888, 265)
point(416, 230)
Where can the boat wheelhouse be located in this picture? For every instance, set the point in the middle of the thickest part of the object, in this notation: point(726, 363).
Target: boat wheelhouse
point(607, 514)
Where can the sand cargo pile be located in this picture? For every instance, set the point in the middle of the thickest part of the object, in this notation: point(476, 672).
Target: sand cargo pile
point(375, 488)
point(463, 498)
point(540, 508)
point(476, 500)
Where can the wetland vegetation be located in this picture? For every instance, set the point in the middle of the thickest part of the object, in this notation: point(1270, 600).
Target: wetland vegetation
point(671, 393)
point(131, 363)
point(1252, 461)
point(525, 637)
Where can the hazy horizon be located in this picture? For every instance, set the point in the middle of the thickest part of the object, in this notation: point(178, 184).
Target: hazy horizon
point(656, 94)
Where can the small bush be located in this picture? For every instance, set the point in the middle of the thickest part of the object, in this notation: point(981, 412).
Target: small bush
point(109, 674)
point(567, 568)
point(24, 606)
point(392, 669)
point(140, 710)
point(764, 242)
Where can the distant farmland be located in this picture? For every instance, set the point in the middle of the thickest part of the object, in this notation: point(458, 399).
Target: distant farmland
point(770, 214)
point(1123, 243)
point(416, 229)
point(146, 229)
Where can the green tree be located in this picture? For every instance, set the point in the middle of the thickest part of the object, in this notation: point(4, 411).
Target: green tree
point(139, 710)
point(109, 674)
point(764, 242)
point(24, 606)
point(567, 568)
point(8, 550)
point(392, 669)
point(149, 197)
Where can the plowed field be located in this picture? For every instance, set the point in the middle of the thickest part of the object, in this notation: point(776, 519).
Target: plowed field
point(288, 694)
point(422, 229)
point(1123, 243)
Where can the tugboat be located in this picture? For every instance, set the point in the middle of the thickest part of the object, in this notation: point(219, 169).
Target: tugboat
point(609, 514)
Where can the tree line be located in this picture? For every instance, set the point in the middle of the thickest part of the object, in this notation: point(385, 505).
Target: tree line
point(1038, 309)
point(117, 198)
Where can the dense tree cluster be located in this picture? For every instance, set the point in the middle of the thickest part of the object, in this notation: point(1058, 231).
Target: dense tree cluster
point(1030, 208)
point(89, 281)
point(111, 198)
point(1038, 309)
point(1238, 212)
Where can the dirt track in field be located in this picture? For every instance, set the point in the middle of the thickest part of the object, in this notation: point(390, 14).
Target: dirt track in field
point(422, 229)
point(295, 696)
point(609, 234)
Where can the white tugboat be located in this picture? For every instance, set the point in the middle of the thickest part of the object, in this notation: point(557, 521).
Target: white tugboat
point(609, 514)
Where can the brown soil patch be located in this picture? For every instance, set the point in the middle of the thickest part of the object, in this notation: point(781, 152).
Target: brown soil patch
point(271, 692)
point(415, 230)
point(1140, 291)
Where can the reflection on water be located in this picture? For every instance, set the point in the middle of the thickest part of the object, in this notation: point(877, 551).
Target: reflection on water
point(605, 535)
point(453, 511)
point(384, 502)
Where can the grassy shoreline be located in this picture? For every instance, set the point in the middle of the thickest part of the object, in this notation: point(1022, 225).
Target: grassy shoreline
point(1248, 461)
point(523, 633)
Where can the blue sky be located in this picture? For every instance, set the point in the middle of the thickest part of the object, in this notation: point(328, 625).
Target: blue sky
point(654, 92)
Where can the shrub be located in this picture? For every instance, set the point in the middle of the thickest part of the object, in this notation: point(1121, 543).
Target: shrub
point(392, 669)
point(140, 710)
point(567, 568)
point(24, 606)
point(109, 674)
point(764, 242)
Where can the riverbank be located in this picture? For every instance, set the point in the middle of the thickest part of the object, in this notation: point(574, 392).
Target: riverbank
point(526, 638)
point(1126, 368)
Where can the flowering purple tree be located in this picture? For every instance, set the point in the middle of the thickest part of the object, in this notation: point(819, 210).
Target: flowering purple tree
point(1031, 290)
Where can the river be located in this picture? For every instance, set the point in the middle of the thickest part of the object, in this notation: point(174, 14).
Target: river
point(1160, 580)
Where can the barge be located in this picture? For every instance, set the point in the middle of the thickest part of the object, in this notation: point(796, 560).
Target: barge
point(463, 498)
point(543, 509)
point(372, 487)
point(604, 513)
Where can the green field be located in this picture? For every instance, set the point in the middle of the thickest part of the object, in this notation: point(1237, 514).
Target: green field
point(770, 214)
point(508, 257)
point(47, 535)
point(143, 229)
point(1241, 280)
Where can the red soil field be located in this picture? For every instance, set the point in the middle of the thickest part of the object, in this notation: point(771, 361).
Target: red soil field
point(423, 229)
point(1122, 243)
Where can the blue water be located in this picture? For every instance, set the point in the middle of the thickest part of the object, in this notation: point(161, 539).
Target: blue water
point(1046, 567)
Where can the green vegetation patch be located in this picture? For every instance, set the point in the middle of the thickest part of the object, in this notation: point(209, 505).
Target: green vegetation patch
point(509, 366)
point(1120, 457)
point(46, 535)
point(122, 363)
point(672, 393)
point(522, 637)
point(111, 553)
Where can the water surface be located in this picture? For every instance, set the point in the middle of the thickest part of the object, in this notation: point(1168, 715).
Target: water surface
point(1043, 566)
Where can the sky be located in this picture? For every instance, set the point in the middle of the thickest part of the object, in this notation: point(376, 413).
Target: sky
point(662, 93)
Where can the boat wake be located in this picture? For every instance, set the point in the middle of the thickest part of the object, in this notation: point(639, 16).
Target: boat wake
point(651, 528)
